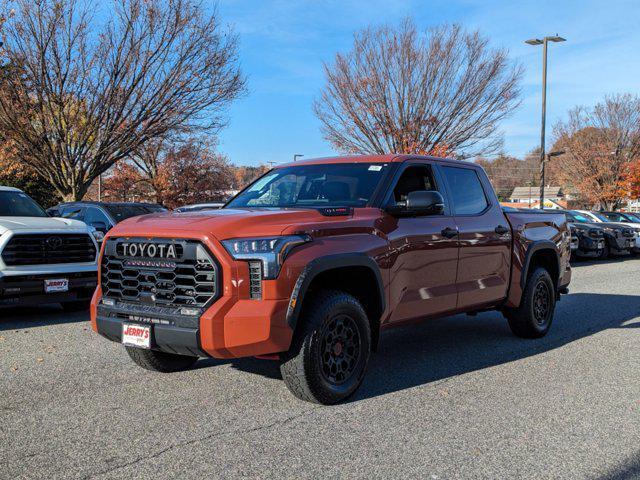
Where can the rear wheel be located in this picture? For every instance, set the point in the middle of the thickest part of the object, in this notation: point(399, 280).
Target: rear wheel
point(532, 319)
point(329, 357)
point(160, 361)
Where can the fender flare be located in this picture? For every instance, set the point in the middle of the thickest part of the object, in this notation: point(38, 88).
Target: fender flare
point(536, 247)
point(323, 264)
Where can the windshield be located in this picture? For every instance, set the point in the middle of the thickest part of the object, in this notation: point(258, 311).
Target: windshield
point(122, 212)
point(578, 217)
point(601, 216)
point(327, 185)
point(632, 217)
point(18, 204)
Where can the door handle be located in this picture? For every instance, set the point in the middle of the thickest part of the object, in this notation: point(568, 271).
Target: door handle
point(449, 232)
point(501, 230)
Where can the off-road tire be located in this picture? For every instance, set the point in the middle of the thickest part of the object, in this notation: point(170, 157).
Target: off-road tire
point(160, 361)
point(330, 322)
point(532, 319)
point(76, 305)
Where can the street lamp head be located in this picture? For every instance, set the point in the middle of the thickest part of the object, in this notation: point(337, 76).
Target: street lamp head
point(534, 41)
point(556, 38)
point(556, 153)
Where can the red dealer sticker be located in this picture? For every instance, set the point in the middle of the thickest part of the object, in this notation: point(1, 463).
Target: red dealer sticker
point(136, 335)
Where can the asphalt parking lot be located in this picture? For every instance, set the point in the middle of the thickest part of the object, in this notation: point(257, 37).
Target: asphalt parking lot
point(455, 398)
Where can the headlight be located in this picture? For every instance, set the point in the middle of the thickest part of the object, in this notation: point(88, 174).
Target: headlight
point(271, 251)
point(98, 235)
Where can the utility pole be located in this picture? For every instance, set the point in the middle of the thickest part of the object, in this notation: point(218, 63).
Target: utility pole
point(544, 42)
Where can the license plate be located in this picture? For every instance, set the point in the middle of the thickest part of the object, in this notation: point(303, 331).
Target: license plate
point(136, 335)
point(52, 285)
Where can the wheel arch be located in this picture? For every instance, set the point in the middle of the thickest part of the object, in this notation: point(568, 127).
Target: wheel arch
point(354, 273)
point(543, 253)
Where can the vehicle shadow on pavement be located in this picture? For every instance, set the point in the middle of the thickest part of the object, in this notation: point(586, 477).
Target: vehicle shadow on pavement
point(592, 262)
point(444, 348)
point(628, 470)
point(16, 318)
point(439, 349)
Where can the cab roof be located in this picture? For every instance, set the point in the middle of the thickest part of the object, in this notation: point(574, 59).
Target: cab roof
point(9, 189)
point(388, 158)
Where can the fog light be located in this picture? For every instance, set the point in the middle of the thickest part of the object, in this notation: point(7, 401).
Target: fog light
point(190, 311)
point(109, 302)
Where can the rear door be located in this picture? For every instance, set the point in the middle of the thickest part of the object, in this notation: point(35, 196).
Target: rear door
point(424, 250)
point(484, 237)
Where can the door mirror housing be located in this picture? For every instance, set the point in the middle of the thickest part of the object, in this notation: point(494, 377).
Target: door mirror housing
point(419, 203)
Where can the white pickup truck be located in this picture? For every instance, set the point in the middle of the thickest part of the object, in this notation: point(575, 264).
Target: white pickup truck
point(44, 259)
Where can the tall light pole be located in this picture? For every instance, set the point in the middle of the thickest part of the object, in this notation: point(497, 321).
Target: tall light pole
point(543, 42)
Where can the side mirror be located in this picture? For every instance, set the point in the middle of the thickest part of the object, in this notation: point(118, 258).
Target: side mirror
point(100, 226)
point(418, 203)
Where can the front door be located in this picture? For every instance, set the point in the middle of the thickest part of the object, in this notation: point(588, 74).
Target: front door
point(424, 252)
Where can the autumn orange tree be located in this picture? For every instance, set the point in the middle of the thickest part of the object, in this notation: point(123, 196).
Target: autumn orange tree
point(630, 182)
point(600, 144)
point(78, 96)
point(399, 91)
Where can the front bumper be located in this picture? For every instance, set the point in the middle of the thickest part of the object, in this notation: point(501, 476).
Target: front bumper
point(590, 247)
point(28, 289)
point(621, 245)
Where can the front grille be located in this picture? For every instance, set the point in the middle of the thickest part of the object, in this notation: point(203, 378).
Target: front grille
point(596, 233)
point(46, 249)
point(189, 280)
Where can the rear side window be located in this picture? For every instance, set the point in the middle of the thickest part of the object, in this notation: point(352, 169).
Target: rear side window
point(466, 191)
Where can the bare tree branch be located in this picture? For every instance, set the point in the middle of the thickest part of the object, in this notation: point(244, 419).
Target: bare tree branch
point(398, 91)
point(75, 103)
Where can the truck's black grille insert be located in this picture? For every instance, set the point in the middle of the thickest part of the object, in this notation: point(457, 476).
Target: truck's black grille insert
point(189, 280)
point(46, 249)
point(255, 280)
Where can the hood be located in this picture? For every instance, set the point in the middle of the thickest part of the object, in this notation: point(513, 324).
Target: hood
point(13, 224)
point(228, 222)
point(585, 226)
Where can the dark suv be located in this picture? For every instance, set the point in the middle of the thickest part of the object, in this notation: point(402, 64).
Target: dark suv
point(103, 216)
point(619, 239)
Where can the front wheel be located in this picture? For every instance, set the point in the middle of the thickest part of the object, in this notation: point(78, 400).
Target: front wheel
point(160, 361)
point(532, 319)
point(76, 305)
point(329, 357)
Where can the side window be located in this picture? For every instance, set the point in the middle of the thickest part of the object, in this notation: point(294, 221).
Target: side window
point(466, 191)
point(74, 213)
point(95, 215)
point(414, 178)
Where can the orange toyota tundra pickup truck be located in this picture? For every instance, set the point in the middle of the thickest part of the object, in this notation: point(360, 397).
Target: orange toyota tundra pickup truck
point(310, 262)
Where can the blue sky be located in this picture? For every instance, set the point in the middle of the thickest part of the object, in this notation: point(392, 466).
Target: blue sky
point(284, 43)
